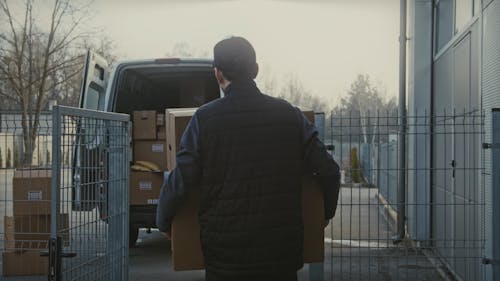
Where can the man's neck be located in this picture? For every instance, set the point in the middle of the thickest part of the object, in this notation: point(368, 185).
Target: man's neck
point(225, 84)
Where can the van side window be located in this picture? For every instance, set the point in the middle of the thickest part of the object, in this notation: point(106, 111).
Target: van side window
point(94, 97)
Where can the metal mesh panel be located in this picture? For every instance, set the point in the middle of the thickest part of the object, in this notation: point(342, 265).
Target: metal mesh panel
point(25, 179)
point(91, 153)
point(32, 161)
point(362, 242)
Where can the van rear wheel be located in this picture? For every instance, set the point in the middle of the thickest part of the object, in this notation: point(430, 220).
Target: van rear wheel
point(133, 234)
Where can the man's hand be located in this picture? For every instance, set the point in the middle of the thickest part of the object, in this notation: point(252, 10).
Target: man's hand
point(167, 234)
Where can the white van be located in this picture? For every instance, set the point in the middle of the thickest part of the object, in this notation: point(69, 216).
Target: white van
point(153, 84)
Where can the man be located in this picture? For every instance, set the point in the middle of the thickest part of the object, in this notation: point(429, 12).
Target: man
point(247, 153)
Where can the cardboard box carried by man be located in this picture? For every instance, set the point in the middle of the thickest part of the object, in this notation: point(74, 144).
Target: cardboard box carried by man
point(186, 245)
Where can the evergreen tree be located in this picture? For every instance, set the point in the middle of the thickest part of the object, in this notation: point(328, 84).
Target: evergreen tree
point(48, 158)
point(8, 160)
point(355, 171)
point(16, 159)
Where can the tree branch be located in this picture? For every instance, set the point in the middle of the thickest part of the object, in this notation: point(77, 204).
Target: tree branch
point(66, 79)
point(9, 97)
point(9, 76)
point(5, 8)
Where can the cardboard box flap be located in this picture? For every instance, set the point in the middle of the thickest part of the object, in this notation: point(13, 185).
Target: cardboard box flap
point(185, 111)
point(176, 122)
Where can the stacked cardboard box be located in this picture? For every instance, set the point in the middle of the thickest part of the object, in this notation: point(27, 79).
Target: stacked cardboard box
point(145, 187)
point(149, 136)
point(24, 263)
point(147, 127)
point(31, 231)
point(186, 246)
point(160, 127)
point(31, 192)
point(27, 232)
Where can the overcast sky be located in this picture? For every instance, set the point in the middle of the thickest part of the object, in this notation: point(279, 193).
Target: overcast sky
point(323, 43)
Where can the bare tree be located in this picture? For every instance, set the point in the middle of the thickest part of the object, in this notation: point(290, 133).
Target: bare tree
point(184, 50)
point(35, 61)
point(68, 93)
point(267, 80)
point(361, 110)
point(294, 92)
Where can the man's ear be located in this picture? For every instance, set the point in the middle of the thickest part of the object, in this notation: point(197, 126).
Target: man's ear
point(256, 70)
point(218, 75)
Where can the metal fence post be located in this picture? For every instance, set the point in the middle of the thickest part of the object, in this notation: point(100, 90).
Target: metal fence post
point(316, 270)
point(54, 245)
point(401, 202)
point(495, 160)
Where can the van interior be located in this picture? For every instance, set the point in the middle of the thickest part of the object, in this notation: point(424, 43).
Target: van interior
point(157, 88)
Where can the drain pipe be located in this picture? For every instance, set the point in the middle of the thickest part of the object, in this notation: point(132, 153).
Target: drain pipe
point(401, 210)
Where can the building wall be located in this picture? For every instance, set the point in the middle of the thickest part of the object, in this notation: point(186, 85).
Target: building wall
point(456, 228)
point(463, 60)
point(419, 105)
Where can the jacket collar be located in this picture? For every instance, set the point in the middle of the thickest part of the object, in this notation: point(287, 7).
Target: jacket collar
point(241, 87)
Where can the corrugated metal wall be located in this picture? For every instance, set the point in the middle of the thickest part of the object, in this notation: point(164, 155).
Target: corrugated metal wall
point(490, 99)
point(456, 202)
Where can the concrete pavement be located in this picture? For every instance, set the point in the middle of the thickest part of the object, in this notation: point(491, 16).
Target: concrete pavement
point(358, 246)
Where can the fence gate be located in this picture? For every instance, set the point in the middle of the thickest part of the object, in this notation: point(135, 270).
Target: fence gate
point(444, 209)
point(89, 206)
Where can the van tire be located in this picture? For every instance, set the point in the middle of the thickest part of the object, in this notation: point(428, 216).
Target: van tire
point(133, 234)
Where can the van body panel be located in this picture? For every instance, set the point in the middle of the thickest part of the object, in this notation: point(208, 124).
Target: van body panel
point(150, 84)
point(122, 66)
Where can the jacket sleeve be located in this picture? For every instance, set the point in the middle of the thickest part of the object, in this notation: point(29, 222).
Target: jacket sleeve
point(320, 164)
point(182, 179)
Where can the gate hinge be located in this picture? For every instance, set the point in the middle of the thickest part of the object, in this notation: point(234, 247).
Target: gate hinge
point(491, 145)
point(491, 261)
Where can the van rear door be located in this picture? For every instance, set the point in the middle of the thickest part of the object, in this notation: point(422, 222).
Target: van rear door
point(95, 77)
point(87, 169)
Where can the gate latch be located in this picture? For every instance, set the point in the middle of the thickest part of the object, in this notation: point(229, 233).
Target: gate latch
point(491, 145)
point(55, 256)
point(491, 261)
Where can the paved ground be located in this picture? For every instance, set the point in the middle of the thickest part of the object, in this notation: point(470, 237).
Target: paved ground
point(358, 247)
point(151, 260)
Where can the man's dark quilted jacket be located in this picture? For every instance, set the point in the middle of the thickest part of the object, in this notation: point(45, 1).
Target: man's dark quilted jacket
point(247, 152)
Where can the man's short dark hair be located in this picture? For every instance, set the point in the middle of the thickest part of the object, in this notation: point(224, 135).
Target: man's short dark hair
point(235, 58)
